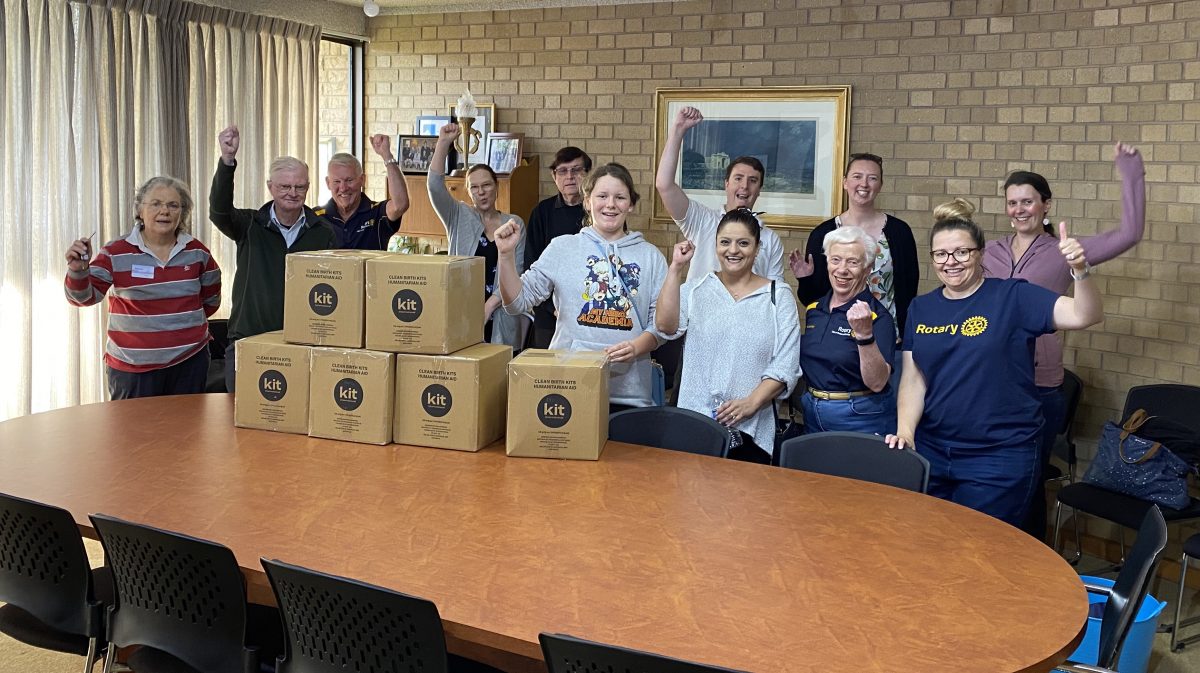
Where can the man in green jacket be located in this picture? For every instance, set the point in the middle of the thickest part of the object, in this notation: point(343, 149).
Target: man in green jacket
point(264, 237)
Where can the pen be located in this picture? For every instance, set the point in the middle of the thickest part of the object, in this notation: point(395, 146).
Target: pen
point(84, 257)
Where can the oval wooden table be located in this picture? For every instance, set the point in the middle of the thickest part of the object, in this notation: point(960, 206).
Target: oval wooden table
point(740, 565)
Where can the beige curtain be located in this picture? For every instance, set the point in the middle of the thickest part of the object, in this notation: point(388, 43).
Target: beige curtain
point(97, 97)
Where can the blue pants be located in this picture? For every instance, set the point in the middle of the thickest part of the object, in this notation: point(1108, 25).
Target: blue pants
point(998, 481)
point(1054, 411)
point(181, 378)
point(872, 414)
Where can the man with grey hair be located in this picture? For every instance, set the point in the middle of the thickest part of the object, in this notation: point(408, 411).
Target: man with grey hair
point(264, 237)
point(359, 222)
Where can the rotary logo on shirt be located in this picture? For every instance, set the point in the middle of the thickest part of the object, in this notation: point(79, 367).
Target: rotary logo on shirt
point(608, 298)
point(974, 326)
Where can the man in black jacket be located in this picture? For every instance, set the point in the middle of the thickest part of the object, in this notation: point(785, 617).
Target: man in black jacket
point(264, 237)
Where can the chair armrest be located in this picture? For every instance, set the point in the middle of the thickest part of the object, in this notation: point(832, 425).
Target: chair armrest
point(1083, 668)
point(1098, 589)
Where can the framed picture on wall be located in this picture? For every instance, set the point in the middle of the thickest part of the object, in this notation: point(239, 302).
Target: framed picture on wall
point(429, 125)
point(504, 151)
point(484, 124)
point(799, 133)
point(414, 152)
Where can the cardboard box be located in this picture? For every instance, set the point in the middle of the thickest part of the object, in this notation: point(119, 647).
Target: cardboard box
point(324, 297)
point(454, 401)
point(431, 304)
point(557, 404)
point(350, 395)
point(272, 384)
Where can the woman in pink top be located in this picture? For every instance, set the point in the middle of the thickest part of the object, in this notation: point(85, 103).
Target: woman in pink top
point(1031, 253)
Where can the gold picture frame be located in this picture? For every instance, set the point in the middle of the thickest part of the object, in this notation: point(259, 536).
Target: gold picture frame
point(800, 133)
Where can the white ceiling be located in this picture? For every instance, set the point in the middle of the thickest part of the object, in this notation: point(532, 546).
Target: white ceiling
point(441, 6)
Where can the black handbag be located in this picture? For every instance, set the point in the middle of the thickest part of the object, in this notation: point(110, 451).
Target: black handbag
point(1133, 465)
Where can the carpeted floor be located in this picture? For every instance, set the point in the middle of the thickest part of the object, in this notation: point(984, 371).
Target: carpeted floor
point(18, 658)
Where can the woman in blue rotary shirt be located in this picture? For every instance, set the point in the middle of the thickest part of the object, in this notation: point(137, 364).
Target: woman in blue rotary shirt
point(967, 401)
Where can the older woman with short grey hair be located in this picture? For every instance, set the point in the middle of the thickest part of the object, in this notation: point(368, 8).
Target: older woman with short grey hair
point(848, 345)
point(164, 286)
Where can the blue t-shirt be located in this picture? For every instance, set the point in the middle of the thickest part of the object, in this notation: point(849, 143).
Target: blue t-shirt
point(828, 354)
point(367, 229)
point(977, 357)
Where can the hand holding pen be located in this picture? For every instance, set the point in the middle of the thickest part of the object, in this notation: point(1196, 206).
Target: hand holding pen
point(79, 253)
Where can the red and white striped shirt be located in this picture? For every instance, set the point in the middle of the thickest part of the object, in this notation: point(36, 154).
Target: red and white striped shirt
point(158, 313)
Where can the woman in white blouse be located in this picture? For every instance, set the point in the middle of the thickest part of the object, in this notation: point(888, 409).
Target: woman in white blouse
point(743, 345)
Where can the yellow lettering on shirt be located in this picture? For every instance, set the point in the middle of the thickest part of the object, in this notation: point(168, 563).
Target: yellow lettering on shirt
point(936, 329)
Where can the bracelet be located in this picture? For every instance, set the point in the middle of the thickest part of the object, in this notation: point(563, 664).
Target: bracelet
point(1087, 271)
point(865, 342)
point(391, 162)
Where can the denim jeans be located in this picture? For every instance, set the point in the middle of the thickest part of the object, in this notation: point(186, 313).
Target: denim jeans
point(873, 414)
point(1054, 411)
point(998, 481)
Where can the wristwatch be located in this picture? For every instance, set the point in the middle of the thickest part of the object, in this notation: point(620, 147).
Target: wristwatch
point(865, 342)
point(1087, 271)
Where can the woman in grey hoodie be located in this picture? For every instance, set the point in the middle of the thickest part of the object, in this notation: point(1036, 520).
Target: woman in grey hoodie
point(605, 282)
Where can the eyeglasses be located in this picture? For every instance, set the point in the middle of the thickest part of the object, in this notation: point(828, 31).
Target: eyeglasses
point(171, 207)
point(961, 255)
point(564, 171)
point(284, 189)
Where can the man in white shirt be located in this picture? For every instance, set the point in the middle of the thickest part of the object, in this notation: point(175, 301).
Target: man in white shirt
point(698, 222)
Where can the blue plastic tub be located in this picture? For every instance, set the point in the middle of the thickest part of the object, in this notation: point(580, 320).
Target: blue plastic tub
point(1136, 654)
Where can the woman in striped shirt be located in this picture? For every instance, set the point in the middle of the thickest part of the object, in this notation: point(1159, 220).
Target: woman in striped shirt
point(165, 284)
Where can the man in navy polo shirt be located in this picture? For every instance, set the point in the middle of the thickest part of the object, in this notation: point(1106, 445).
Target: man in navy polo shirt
point(558, 215)
point(359, 222)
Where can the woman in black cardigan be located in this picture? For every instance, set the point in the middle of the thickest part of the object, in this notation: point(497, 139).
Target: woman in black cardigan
point(893, 279)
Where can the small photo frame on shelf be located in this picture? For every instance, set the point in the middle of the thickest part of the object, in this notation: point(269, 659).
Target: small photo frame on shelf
point(414, 152)
point(429, 125)
point(504, 151)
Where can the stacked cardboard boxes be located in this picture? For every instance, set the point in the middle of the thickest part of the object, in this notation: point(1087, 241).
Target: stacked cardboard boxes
point(316, 376)
point(381, 347)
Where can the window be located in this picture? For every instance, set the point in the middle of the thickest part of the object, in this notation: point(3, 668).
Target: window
point(339, 113)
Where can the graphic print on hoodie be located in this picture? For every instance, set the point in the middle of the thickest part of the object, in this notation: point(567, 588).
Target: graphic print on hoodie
point(607, 299)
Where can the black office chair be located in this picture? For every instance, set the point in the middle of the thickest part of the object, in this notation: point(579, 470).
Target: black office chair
point(183, 600)
point(568, 654)
point(219, 329)
point(670, 428)
point(1178, 403)
point(1064, 443)
point(1127, 593)
point(670, 357)
point(1191, 550)
point(338, 625)
point(53, 599)
point(856, 455)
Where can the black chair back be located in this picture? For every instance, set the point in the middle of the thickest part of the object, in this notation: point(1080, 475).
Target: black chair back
point(1174, 401)
point(178, 594)
point(670, 357)
point(568, 654)
point(1131, 587)
point(44, 568)
point(1072, 387)
point(670, 428)
point(856, 455)
point(337, 625)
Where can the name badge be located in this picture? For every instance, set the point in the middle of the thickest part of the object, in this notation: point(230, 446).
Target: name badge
point(143, 271)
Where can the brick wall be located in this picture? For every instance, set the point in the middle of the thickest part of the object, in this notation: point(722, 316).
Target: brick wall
point(954, 95)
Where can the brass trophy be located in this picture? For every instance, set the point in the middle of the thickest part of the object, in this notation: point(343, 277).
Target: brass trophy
point(469, 137)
